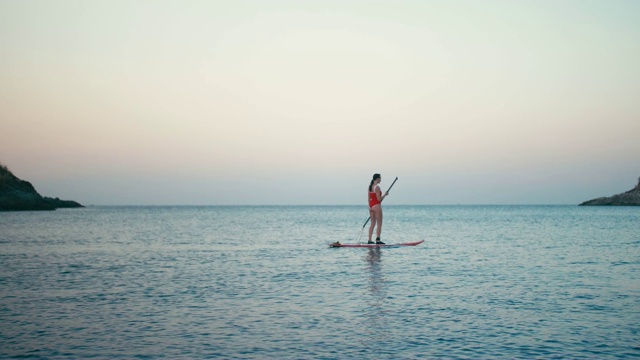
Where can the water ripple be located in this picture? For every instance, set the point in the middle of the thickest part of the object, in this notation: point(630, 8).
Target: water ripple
point(260, 282)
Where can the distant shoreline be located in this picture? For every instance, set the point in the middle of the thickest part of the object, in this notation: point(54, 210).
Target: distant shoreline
point(337, 205)
point(20, 195)
point(628, 198)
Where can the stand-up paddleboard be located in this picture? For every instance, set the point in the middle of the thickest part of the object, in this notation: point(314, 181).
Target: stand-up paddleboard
point(338, 244)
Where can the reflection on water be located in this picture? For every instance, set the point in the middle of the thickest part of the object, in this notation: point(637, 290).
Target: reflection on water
point(375, 313)
point(376, 277)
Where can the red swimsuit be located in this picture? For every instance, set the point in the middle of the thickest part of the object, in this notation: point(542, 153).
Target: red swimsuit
point(373, 199)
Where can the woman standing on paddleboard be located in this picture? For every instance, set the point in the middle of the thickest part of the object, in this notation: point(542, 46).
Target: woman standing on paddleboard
point(375, 207)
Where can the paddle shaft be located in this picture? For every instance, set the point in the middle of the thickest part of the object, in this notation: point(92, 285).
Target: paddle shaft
point(369, 218)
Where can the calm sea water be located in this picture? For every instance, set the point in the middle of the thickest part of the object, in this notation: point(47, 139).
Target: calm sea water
point(261, 282)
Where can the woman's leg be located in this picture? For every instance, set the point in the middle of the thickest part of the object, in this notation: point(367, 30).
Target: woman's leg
point(376, 215)
point(379, 221)
point(372, 216)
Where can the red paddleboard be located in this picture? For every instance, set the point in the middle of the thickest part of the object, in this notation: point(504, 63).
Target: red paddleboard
point(337, 245)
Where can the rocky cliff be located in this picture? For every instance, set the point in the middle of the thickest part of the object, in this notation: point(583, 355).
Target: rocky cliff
point(629, 198)
point(16, 195)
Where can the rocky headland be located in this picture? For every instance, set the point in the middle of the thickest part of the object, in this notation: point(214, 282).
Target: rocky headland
point(20, 195)
point(629, 198)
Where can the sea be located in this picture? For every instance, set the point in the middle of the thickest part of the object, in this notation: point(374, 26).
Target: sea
point(261, 282)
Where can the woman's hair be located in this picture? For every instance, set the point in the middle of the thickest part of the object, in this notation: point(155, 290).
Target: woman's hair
point(375, 176)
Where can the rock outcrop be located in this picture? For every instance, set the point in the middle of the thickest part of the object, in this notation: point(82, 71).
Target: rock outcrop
point(629, 198)
point(20, 195)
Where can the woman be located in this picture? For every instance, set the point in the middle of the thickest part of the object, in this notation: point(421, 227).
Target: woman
point(375, 207)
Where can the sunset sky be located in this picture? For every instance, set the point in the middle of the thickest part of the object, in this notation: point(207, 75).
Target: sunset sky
point(299, 102)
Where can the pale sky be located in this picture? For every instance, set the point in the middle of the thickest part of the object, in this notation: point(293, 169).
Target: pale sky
point(299, 102)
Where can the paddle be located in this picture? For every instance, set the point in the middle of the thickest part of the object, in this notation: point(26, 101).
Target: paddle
point(369, 218)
